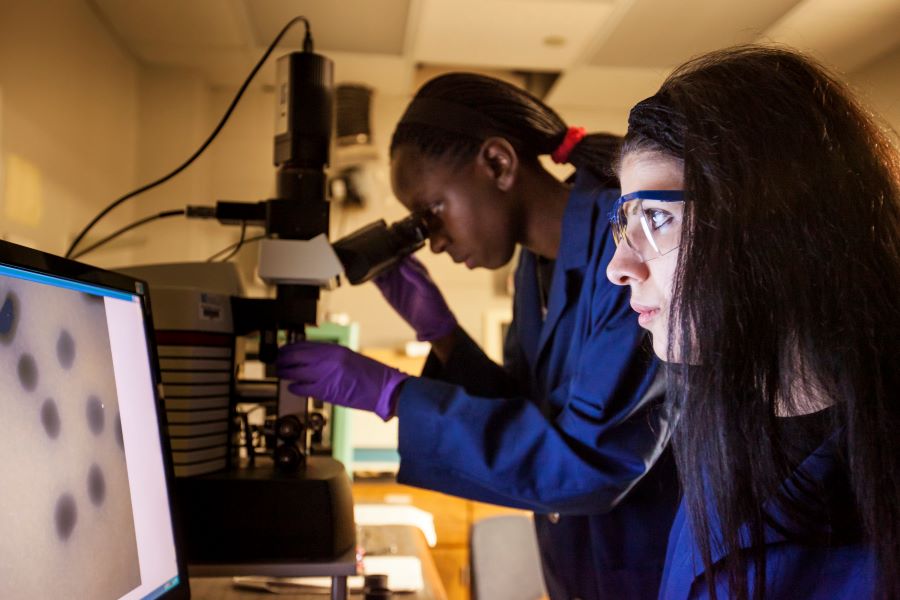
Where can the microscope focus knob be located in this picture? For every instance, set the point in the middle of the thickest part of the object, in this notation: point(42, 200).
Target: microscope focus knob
point(317, 421)
point(288, 428)
point(287, 457)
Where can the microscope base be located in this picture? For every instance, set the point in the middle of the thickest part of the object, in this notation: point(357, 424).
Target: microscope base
point(255, 514)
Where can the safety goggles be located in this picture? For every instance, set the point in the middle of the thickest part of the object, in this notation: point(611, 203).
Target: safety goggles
point(648, 221)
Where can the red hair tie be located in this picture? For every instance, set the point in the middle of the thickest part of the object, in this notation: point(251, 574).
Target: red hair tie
point(573, 136)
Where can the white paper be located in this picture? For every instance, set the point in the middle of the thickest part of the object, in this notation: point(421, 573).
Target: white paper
point(397, 514)
point(404, 574)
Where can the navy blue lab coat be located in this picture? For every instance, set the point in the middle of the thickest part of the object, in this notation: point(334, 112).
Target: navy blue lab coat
point(843, 569)
point(569, 429)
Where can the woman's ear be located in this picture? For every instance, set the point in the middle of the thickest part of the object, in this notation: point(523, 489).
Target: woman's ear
point(500, 161)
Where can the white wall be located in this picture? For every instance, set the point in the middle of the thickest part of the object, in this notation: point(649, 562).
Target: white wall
point(68, 120)
point(879, 87)
point(174, 120)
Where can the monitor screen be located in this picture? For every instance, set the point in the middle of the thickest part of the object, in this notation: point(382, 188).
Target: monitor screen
point(85, 506)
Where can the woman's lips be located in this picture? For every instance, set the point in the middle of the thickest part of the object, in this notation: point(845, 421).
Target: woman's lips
point(468, 260)
point(645, 313)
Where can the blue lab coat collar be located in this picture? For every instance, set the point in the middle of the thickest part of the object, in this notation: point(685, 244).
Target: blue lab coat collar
point(821, 472)
point(576, 242)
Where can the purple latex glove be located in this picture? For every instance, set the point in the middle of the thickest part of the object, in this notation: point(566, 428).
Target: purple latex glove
point(338, 375)
point(410, 290)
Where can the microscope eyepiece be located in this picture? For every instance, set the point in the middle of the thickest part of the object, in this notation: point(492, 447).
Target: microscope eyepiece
point(376, 247)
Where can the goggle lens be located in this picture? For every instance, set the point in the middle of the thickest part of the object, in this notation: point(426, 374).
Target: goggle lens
point(649, 222)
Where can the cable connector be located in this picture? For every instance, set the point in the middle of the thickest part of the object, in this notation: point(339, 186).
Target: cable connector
point(307, 40)
point(200, 212)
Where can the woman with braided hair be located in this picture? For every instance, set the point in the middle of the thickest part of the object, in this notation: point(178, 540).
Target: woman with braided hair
point(759, 235)
point(571, 426)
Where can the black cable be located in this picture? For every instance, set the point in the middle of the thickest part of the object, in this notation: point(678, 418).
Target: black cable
point(307, 47)
point(115, 234)
point(235, 248)
point(240, 243)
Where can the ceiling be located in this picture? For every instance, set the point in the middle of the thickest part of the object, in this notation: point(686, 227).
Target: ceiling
point(608, 53)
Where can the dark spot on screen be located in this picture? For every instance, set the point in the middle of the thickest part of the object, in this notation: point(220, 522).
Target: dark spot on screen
point(65, 349)
point(66, 516)
point(9, 318)
point(28, 373)
point(50, 418)
point(118, 432)
point(96, 485)
point(95, 415)
point(92, 298)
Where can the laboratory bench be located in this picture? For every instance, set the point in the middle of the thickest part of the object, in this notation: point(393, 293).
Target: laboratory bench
point(398, 540)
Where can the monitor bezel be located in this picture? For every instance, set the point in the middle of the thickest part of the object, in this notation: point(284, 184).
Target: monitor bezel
point(37, 261)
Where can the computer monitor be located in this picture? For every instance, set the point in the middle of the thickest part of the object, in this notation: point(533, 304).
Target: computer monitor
point(85, 507)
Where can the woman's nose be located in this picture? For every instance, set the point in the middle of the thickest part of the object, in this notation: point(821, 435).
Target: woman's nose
point(626, 266)
point(438, 242)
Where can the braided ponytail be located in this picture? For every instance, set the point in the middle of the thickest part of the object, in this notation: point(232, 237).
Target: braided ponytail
point(453, 114)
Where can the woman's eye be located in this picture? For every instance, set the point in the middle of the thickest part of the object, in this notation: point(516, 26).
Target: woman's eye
point(432, 214)
point(658, 218)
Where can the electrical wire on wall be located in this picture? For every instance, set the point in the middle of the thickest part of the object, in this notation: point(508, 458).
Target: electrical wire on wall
point(232, 250)
point(70, 253)
point(163, 215)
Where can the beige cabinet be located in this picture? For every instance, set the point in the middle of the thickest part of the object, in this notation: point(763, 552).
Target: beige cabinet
point(453, 518)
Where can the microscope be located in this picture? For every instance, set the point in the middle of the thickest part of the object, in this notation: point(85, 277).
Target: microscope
point(295, 507)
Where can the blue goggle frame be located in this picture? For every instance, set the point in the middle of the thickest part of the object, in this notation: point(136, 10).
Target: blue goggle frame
point(661, 195)
point(619, 229)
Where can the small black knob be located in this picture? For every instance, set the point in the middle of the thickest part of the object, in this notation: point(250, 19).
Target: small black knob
point(287, 457)
point(376, 587)
point(288, 428)
point(316, 421)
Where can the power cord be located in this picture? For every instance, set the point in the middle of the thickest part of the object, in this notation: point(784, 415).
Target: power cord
point(307, 47)
point(234, 248)
point(129, 227)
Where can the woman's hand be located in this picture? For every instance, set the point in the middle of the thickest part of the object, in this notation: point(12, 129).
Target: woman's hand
point(411, 292)
point(338, 375)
